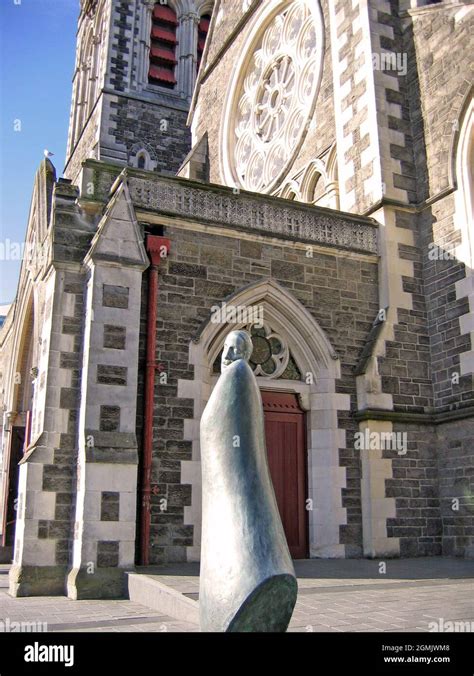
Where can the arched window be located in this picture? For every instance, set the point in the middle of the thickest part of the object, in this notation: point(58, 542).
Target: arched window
point(163, 47)
point(465, 180)
point(464, 218)
point(142, 156)
point(317, 189)
point(84, 92)
point(203, 29)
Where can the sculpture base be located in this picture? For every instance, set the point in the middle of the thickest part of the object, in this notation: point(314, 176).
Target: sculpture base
point(268, 608)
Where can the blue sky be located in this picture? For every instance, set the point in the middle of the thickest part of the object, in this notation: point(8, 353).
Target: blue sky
point(37, 49)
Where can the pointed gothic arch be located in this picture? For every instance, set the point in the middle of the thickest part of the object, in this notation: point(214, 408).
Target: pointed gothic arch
point(19, 389)
point(311, 347)
point(463, 159)
point(291, 191)
point(313, 354)
point(143, 156)
point(463, 163)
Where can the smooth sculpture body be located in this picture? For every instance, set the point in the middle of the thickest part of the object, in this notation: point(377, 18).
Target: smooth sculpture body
point(247, 580)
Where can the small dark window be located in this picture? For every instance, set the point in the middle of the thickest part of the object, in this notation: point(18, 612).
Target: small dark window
point(141, 162)
point(203, 29)
point(163, 47)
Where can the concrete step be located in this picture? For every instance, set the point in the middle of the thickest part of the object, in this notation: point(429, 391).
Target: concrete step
point(154, 593)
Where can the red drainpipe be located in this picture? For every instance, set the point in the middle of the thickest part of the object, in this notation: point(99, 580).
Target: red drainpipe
point(157, 248)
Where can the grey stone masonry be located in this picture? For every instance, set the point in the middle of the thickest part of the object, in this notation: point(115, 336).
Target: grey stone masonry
point(104, 542)
point(205, 268)
point(109, 418)
point(115, 296)
point(221, 242)
point(119, 114)
point(115, 337)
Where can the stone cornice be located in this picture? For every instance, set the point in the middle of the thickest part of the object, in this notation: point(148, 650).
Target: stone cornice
point(434, 418)
point(250, 211)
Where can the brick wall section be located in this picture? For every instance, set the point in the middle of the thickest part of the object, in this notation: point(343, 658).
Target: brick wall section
point(353, 100)
point(87, 141)
point(444, 309)
point(59, 476)
point(415, 487)
point(404, 177)
point(406, 367)
point(122, 18)
point(201, 271)
point(456, 484)
point(438, 47)
point(135, 122)
point(72, 235)
point(231, 14)
point(443, 58)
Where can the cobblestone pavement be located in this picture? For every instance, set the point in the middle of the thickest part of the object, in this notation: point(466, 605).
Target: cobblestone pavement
point(334, 595)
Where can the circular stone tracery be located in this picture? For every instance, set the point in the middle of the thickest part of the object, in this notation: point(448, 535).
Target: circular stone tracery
point(271, 108)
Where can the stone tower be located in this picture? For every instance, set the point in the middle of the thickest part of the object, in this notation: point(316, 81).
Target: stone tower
point(136, 65)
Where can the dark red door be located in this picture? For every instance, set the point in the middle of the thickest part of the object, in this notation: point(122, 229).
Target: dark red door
point(285, 437)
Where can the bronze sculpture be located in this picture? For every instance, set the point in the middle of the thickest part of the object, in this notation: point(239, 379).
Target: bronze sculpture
point(247, 580)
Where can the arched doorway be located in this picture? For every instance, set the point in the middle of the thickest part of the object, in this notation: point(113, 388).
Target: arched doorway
point(308, 374)
point(17, 433)
point(284, 418)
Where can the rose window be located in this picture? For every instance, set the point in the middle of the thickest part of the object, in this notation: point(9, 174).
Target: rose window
point(270, 353)
point(270, 358)
point(275, 96)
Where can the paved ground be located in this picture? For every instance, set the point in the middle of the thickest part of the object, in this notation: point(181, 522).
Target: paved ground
point(345, 595)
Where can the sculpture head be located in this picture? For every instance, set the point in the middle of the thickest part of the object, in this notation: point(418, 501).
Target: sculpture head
point(238, 345)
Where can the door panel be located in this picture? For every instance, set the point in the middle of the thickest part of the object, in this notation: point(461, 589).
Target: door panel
point(285, 438)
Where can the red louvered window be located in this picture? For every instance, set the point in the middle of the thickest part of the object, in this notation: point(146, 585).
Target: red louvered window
point(203, 28)
point(163, 47)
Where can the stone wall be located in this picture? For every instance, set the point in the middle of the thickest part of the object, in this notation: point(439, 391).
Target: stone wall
point(201, 271)
point(415, 488)
point(439, 39)
point(135, 124)
point(456, 485)
point(406, 365)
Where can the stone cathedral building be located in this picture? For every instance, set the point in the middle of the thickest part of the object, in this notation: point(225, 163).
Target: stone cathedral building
point(300, 168)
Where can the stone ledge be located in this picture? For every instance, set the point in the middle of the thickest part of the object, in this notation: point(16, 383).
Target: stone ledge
point(415, 418)
point(221, 205)
point(251, 211)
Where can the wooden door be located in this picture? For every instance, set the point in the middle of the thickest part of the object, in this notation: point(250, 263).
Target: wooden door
point(286, 449)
